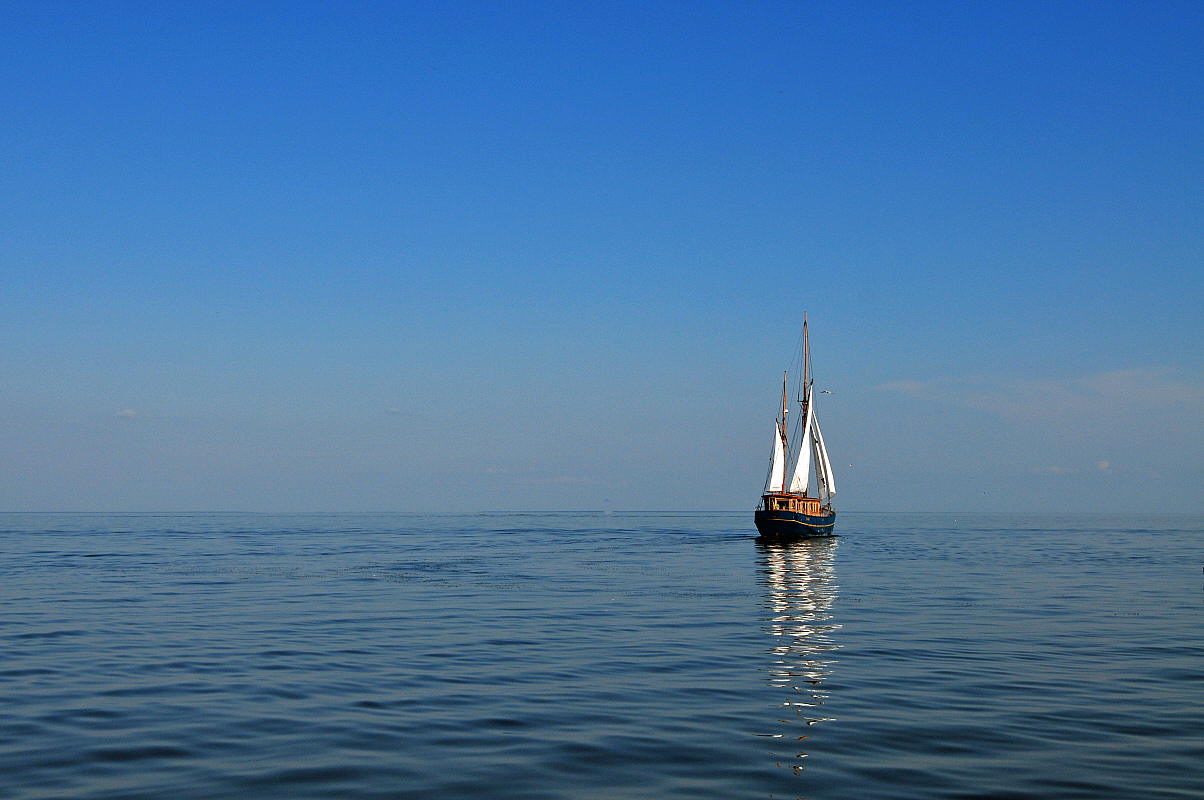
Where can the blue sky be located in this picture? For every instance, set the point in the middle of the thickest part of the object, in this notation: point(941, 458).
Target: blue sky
point(472, 256)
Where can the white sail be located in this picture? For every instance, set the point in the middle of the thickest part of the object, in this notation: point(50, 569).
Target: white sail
point(821, 479)
point(802, 468)
point(777, 468)
point(823, 467)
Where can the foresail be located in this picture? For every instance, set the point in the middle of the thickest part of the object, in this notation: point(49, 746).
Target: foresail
point(777, 468)
point(823, 467)
point(802, 468)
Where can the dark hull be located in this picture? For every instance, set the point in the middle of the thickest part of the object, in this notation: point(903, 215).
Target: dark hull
point(792, 525)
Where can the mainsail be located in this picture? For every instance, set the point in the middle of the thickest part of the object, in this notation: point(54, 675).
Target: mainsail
point(777, 468)
point(802, 468)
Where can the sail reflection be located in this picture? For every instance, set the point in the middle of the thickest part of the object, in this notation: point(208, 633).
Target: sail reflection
point(800, 587)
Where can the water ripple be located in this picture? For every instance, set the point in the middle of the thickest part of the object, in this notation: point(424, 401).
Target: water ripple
point(598, 656)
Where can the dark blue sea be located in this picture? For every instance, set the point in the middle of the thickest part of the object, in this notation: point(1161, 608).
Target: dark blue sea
point(579, 655)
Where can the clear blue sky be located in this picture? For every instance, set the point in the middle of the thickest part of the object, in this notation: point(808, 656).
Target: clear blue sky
point(461, 256)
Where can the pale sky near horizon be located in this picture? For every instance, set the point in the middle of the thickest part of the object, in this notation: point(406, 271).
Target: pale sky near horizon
point(466, 256)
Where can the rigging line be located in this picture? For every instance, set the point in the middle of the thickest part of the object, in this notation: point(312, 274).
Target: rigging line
point(769, 471)
point(796, 360)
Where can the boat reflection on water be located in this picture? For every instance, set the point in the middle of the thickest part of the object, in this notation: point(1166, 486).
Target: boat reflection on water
point(800, 587)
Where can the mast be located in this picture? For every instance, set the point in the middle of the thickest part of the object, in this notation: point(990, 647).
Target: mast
point(805, 396)
point(784, 431)
point(806, 355)
point(805, 400)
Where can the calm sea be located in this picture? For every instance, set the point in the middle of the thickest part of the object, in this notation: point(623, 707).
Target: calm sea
point(652, 655)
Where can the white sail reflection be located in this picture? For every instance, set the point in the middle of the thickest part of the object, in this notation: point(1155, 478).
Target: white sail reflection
point(800, 588)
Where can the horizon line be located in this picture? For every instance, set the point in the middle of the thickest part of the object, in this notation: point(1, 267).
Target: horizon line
point(603, 511)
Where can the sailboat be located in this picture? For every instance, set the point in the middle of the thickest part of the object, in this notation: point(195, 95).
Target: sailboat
point(789, 510)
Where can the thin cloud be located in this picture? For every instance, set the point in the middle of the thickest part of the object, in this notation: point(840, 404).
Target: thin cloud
point(915, 388)
point(1115, 392)
point(554, 479)
point(1098, 466)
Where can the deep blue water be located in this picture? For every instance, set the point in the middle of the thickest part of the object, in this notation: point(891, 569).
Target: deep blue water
point(654, 655)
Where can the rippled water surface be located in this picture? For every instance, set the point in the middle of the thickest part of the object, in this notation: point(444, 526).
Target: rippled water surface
point(653, 655)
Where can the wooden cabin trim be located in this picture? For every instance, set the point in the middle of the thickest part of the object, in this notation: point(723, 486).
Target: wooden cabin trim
point(798, 504)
